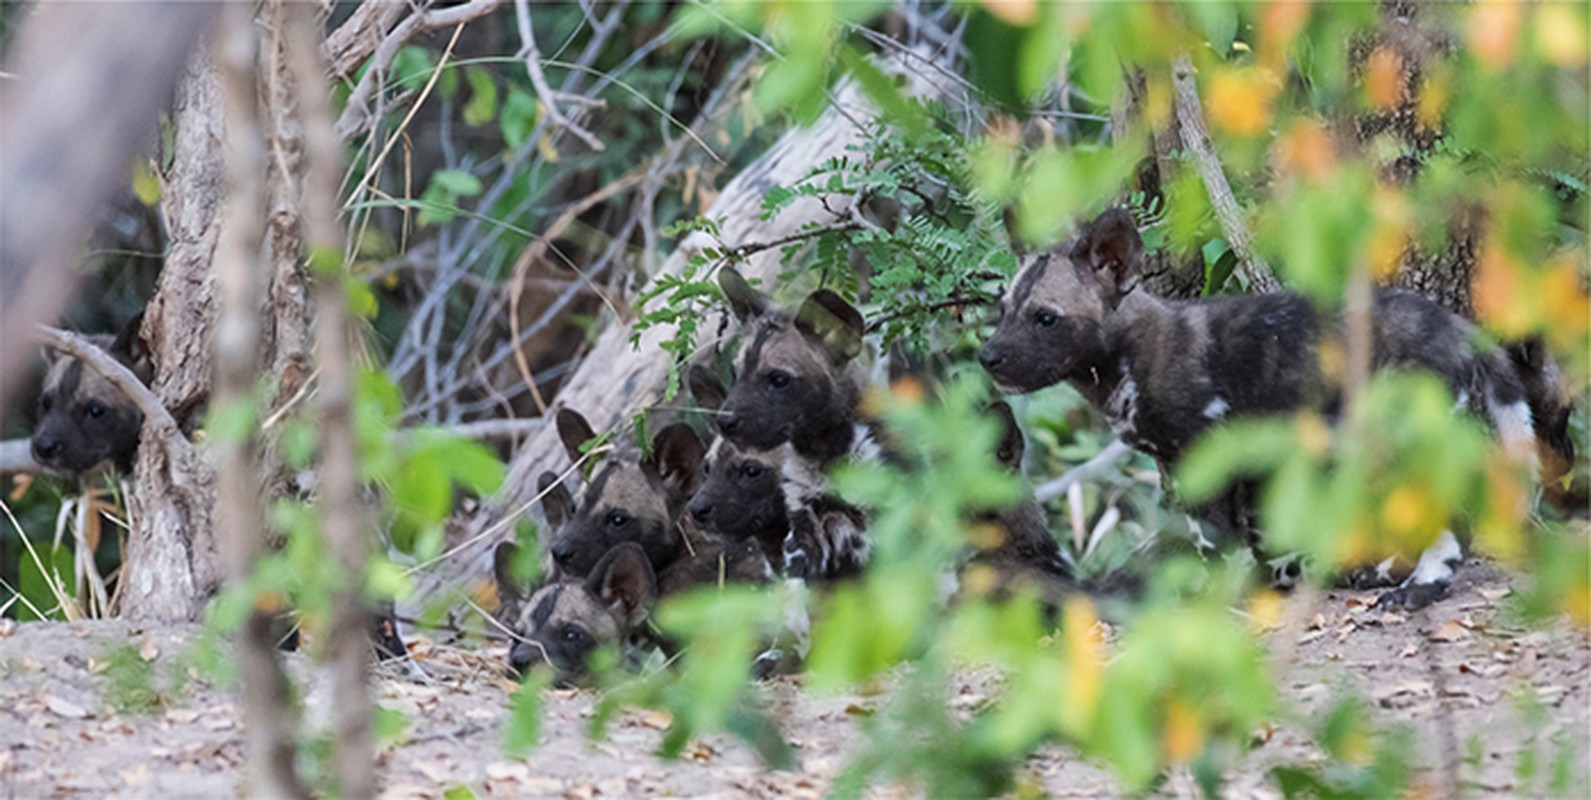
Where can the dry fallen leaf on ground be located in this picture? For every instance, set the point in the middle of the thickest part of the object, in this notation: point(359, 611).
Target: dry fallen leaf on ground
point(64, 708)
point(1450, 631)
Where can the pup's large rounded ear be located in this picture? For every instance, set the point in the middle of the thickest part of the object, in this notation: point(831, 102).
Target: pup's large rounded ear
point(826, 316)
point(574, 430)
point(556, 501)
point(745, 301)
point(623, 580)
point(1009, 449)
point(708, 390)
point(677, 456)
point(1110, 247)
point(130, 348)
point(511, 592)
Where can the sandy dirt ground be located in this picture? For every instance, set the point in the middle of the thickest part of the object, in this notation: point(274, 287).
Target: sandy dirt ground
point(1454, 673)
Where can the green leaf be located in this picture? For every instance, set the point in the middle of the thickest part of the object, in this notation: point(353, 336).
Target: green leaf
point(457, 182)
point(412, 66)
point(518, 118)
point(482, 106)
point(523, 727)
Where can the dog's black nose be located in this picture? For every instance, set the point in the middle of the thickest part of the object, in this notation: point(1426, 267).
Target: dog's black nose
point(990, 357)
point(562, 551)
point(700, 510)
point(524, 656)
point(45, 448)
point(728, 422)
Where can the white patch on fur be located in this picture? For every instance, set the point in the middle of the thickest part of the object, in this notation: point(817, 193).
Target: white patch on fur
point(1517, 431)
point(1384, 569)
point(1462, 403)
point(1216, 408)
point(865, 449)
point(1122, 406)
point(1437, 562)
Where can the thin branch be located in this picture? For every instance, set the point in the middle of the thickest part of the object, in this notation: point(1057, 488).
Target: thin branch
point(346, 651)
point(1102, 461)
point(165, 427)
point(360, 35)
point(1190, 118)
point(924, 308)
point(269, 712)
point(356, 116)
point(538, 79)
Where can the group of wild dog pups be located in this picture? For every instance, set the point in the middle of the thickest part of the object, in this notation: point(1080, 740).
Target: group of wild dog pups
point(752, 504)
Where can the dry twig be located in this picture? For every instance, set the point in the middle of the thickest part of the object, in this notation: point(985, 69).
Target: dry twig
point(1190, 119)
point(549, 98)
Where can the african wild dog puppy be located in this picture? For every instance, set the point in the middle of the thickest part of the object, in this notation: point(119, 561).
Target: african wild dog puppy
point(741, 495)
point(1165, 371)
point(564, 622)
point(796, 391)
point(84, 420)
point(631, 498)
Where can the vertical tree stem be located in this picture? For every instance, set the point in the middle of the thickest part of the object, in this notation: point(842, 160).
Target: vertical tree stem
point(347, 649)
point(268, 711)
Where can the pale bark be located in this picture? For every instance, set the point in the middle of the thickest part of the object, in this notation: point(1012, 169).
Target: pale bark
point(1190, 121)
point(618, 378)
point(270, 721)
point(171, 567)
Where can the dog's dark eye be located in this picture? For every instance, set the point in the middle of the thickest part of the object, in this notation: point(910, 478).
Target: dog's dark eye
point(618, 519)
point(778, 380)
point(94, 410)
point(752, 470)
point(45, 402)
point(1046, 319)
point(572, 634)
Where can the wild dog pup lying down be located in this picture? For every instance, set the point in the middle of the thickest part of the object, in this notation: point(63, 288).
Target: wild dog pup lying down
point(797, 392)
point(84, 420)
point(564, 622)
point(1165, 371)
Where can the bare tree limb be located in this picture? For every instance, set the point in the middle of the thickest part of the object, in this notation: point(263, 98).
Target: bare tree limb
point(1190, 119)
point(1094, 467)
point(356, 116)
point(549, 98)
point(360, 35)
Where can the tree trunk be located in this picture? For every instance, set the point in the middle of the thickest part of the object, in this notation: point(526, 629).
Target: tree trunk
point(171, 566)
point(617, 379)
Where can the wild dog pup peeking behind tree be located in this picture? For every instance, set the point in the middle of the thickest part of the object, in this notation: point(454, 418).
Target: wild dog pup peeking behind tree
point(84, 420)
point(798, 390)
point(1165, 371)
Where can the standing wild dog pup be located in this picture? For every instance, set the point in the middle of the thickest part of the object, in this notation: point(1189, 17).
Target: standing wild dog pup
point(84, 420)
point(796, 389)
point(1165, 371)
point(563, 623)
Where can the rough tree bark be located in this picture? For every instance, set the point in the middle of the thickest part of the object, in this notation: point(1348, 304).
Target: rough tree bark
point(172, 566)
point(618, 378)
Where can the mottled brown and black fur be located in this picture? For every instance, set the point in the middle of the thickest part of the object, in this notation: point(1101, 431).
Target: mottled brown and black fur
point(630, 497)
point(741, 496)
point(1165, 371)
point(84, 421)
point(564, 622)
point(793, 377)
